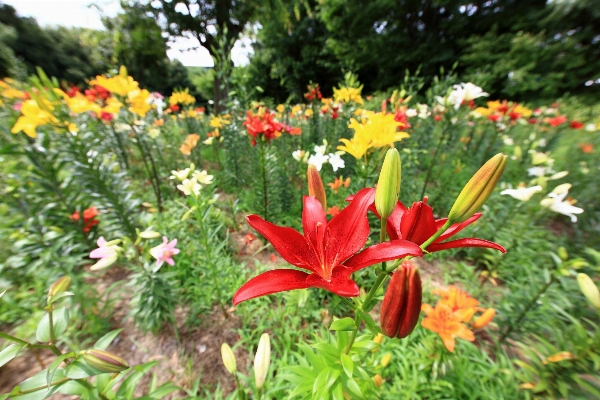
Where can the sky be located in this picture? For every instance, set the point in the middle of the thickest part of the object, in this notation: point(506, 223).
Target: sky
point(77, 13)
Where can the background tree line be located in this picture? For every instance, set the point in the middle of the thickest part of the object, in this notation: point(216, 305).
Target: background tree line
point(522, 49)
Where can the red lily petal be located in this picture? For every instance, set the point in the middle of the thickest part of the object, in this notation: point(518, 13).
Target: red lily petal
point(385, 251)
point(393, 222)
point(340, 283)
point(348, 231)
point(417, 223)
point(313, 215)
point(288, 242)
point(466, 242)
point(277, 280)
point(455, 228)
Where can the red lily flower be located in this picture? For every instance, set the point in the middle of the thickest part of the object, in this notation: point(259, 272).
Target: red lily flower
point(327, 250)
point(417, 224)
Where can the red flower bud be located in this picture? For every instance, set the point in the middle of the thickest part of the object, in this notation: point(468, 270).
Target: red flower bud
point(401, 305)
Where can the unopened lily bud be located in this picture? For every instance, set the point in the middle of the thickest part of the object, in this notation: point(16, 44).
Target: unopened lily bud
point(562, 253)
point(388, 185)
point(228, 358)
point(262, 360)
point(485, 318)
point(385, 360)
point(104, 263)
point(61, 285)
point(589, 289)
point(315, 185)
point(378, 380)
point(149, 235)
point(478, 189)
point(105, 361)
point(401, 305)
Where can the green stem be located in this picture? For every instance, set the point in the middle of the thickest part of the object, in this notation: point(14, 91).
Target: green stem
point(51, 320)
point(35, 389)
point(12, 338)
point(263, 172)
point(430, 170)
point(526, 309)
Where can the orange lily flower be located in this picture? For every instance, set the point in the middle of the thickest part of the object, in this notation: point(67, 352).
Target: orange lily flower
point(338, 183)
point(459, 302)
point(190, 142)
point(445, 323)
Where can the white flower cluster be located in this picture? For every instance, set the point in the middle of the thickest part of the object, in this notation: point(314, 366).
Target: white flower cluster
point(191, 185)
point(320, 158)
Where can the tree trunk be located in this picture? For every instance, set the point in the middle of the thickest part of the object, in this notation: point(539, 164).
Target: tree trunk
point(221, 90)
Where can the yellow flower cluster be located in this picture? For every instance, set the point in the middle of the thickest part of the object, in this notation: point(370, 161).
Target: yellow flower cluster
point(139, 101)
point(8, 91)
point(181, 97)
point(33, 116)
point(347, 95)
point(121, 84)
point(375, 130)
point(219, 120)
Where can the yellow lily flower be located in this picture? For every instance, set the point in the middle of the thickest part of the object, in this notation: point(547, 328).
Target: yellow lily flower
point(139, 102)
point(357, 146)
point(347, 95)
point(121, 84)
point(182, 97)
point(33, 116)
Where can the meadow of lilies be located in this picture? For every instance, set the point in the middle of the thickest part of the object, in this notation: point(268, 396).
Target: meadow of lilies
point(396, 245)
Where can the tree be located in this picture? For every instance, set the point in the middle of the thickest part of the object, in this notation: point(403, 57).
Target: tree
point(216, 25)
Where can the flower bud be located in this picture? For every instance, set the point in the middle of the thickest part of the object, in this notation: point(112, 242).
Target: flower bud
point(315, 185)
point(262, 360)
point(388, 185)
point(562, 253)
point(385, 360)
point(105, 361)
point(61, 285)
point(104, 263)
point(228, 358)
point(378, 380)
point(149, 235)
point(478, 189)
point(485, 318)
point(401, 305)
point(589, 289)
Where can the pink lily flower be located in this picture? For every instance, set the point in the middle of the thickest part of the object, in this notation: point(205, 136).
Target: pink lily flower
point(164, 252)
point(107, 252)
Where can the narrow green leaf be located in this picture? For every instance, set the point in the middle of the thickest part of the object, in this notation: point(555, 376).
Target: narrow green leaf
point(347, 364)
point(128, 386)
point(369, 322)
point(10, 352)
point(106, 340)
point(80, 369)
point(325, 380)
point(344, 324)
point(52, 368)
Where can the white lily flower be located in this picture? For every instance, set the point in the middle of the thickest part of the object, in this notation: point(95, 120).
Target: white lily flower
point(208, 141)
point(180, 175)
point(556, 202)
point(298, 154)
point(336, 161)
point(318, 160)
point(190, 186)
point(203, 177)
point(522, 193)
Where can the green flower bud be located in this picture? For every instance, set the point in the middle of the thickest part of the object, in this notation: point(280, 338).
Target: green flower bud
point(228, 358)
point(315, 186)
point(589, 289)
point(388, 185)
point(478, 189)
point(105, 361)
point(61, 285)
point(262, 360)
point(562, 253)
point(149, 235)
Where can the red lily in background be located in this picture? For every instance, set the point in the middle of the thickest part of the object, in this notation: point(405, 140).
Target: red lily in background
point(262, 125)
point(89, 218)
point(327, 250)
point(417, 224)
